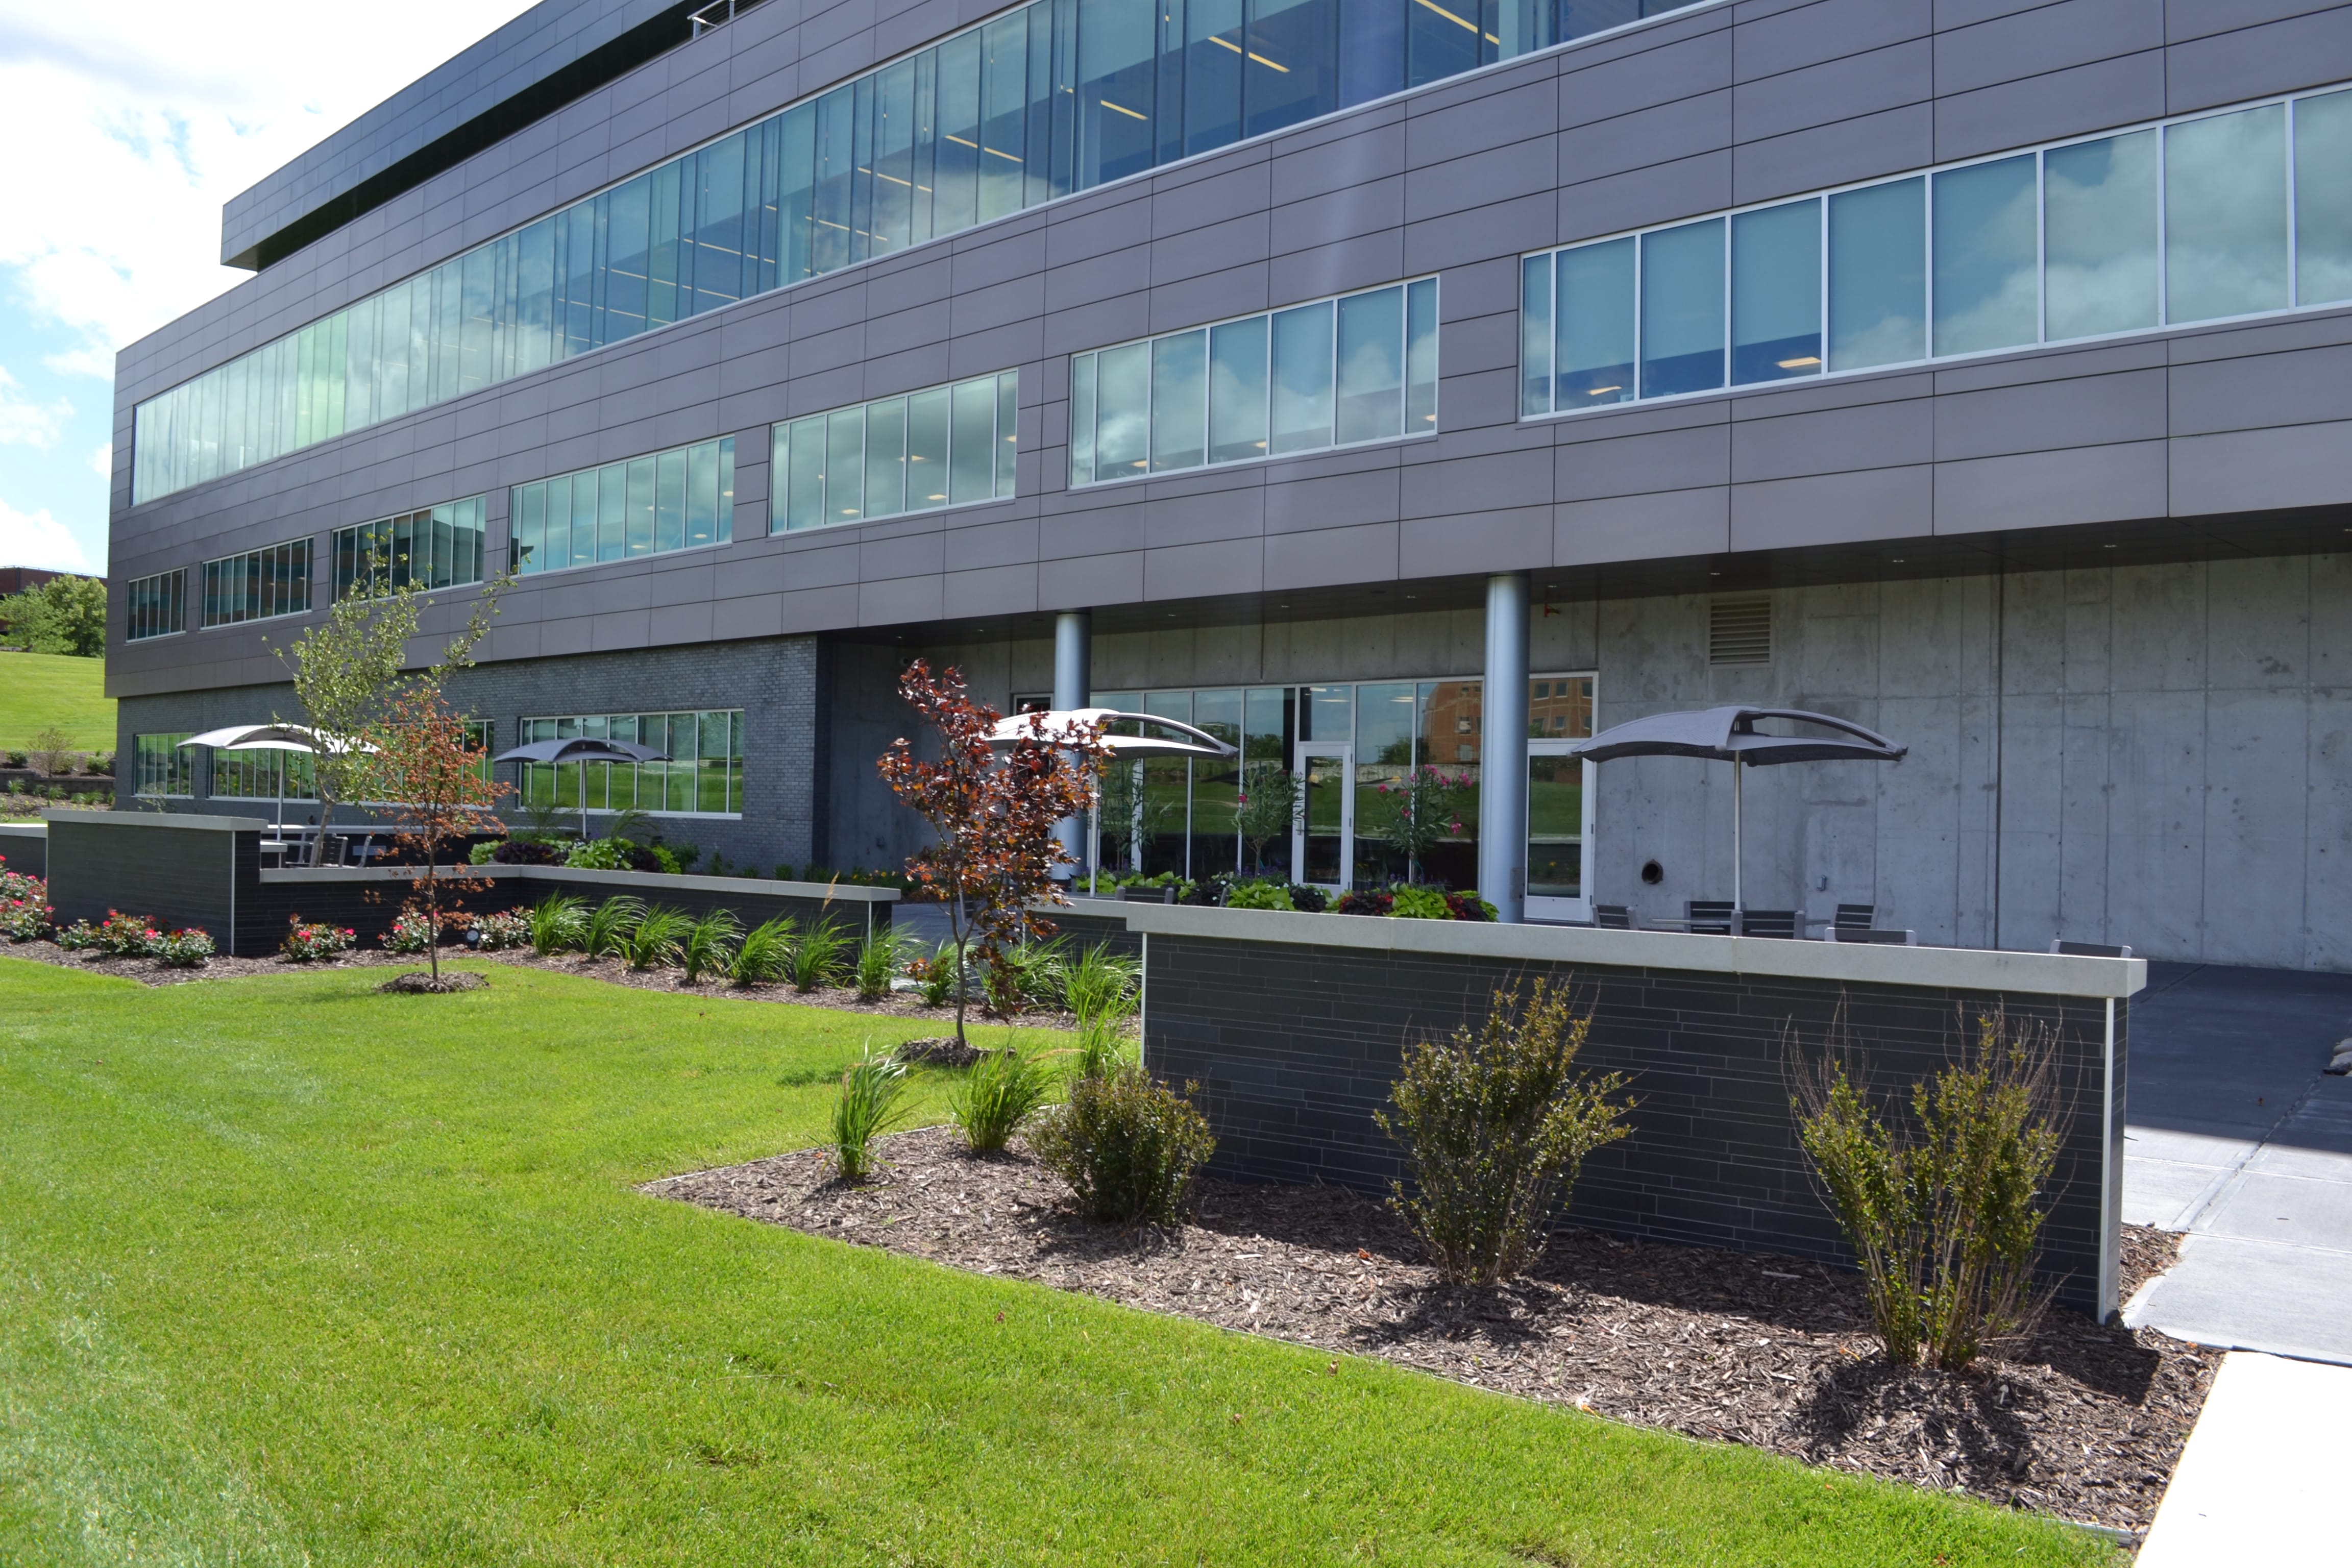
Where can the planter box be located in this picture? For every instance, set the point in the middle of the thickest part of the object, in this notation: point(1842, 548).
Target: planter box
point(187, 869)
point(1294, 1026)
point(25, 847)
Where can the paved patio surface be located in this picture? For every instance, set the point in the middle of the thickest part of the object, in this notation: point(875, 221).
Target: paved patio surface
point(2236, 1138)
point(2259, 1482)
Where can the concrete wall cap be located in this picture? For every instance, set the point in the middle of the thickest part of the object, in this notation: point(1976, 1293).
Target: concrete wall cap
point(563, 876)
point(187, 819)
point(1947, 968)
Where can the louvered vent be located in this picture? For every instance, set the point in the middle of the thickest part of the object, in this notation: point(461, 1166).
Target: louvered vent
point(1739, 631)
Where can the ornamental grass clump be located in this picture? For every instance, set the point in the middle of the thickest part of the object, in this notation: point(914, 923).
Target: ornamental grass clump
point(659, 939)
point(709, 945)
point(1496, 1125)
point(1000, 1092)
point(1126, 1145)
point(817, 957)
point(610, 925)
point(559, 924)
point(765, 953)
point(876, 963)
point(1945, 1208)
point(871, 1103)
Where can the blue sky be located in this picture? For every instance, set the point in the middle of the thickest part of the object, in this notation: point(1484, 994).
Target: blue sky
point(126, 126)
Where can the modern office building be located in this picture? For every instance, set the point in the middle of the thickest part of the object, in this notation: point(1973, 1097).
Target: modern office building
point(1380, 383)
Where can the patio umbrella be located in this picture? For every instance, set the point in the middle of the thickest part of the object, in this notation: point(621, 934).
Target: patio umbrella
point(1176, 739)
point(1729, 734)
point(279, 738)
point(583, 749)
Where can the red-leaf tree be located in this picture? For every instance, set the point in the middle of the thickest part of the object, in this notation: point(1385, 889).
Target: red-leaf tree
point(993, 809)
point(426, 767)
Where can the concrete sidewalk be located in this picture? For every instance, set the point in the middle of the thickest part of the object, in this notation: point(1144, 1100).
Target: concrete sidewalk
point(2260, 1481)
point(2237, 1139)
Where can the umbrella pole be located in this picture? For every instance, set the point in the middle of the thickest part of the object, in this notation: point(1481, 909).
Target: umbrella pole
point(1739, 908)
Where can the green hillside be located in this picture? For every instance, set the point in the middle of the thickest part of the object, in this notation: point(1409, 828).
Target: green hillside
point(38, 689)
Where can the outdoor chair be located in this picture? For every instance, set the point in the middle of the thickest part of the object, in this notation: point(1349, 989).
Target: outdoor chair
point(1146, 895)
point(1782, 923)
point(1612, 917)
point(1855, 917)
point(1711, 917)
point(2090, 949)
point(1881, 938)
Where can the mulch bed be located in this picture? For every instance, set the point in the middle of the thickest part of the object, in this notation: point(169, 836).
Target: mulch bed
point(2083, 1422)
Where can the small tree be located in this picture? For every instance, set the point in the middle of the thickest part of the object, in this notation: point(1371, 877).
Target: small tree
point(432, 777)
point(1423, 807)
point(52, 751)
point(64, 615)
point(1265, 808)
point(994, 815)
point(346, 672)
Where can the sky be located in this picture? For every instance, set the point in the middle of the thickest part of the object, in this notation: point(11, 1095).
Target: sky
point(127, 125)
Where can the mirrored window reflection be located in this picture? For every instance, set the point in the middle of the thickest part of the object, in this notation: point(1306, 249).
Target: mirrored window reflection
point(154, 606)
point(700, 772)
point(439, 547)
point(1775, 293)
point(1053, 97)
point(257, 584)
point(940, 446)
point(1593, 357)
point(1988, 263)
point(2099, 237)
point(1362, 368)
point(1682, 309)
point(2323, 199)
point(653, 505)
point(2225, 216)
point(1878, 275)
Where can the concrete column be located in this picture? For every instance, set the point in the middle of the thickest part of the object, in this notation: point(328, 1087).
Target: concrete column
point(1074, 639)
point(1503, 750)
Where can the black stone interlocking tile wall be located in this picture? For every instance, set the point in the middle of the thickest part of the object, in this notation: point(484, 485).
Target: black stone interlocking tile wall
point(1294, 1048)
point(179, 874)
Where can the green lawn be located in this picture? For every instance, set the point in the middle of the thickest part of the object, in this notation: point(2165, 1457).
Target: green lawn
point(38, 689)
point(291, 1273)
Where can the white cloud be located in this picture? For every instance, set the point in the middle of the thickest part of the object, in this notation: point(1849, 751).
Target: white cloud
point(130, 124)
point(102, 461)
point(27, 424)
point(38, 540)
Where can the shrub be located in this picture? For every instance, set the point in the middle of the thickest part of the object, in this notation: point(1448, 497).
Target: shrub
point(186, 949)
point(936, 975)
point(765, 953)
point(658, 939)
point(1126, 1145)
point(1308, 898)
point(124, 936)
point(1946, 1212)
point(1469, 905)
point(412, 932)
point(610, 924)
point(558, 922)
point(309, 944)
point(1418, 903)
point(527, 852)
point(816, 957)
point(709, 945)
point(1365, 901)
point(602, 854)
point(1259, 896)
point(870, 1106)
point(79, 937)
point(1001, 1091)
point(20, 884)
point(1029, 974)
point(1496, 1125)
point(876, 963)
point(481, 854)
point(25, 920)
point(508, 929)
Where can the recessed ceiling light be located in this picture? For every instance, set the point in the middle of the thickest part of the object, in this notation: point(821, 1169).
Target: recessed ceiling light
point(1895, 560)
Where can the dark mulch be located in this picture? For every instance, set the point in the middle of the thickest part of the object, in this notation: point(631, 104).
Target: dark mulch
point(424, 983)
point(218, 967)
point(2081, 1421)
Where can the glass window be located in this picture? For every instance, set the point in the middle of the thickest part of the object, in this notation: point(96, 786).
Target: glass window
point(1682, 309)
point(1535, 334)
point(2099, 237)
point(2323, 199)
point(1117, 66)
point(1123, 411)
point(1372, 366)
point(669, 502)
point(1291, 70)
point(440, 547)
point(1008, 432)
point(1237, 390)
point(1878, 275)
point(1421, 358)
point(891, 456)
point(1179, 401)
point(1302, 378)
point(650, 505)
point(1987, 266)
point(257, 584)
point(1592, 358)
point(1775, 293)
point(2225, 215)
point(154, 606)
point(701, 771)
point(162, 766)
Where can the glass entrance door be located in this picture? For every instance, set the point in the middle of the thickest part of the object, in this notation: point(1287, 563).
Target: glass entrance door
point(1323, 842)
point(1560, 807)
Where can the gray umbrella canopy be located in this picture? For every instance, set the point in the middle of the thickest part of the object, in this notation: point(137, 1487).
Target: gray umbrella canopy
point(1729, 735)
point(583, 749)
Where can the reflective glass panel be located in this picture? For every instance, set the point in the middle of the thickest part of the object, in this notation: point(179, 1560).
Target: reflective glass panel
point(2099, 237)
point(1123, 411)
point(1682, 309)
point(1237, 390)
point(1987, 262)
point(927, 448)
point(1592, 357)
point(1775, 293)
point(1302, 379)
point(1180, 401)
point(2323, 198)
point(1878, 275)
point(2225, 215)
point(1372, 366)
